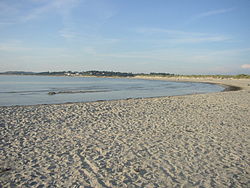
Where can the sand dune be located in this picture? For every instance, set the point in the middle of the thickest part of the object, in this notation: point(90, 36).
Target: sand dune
point(183, 141)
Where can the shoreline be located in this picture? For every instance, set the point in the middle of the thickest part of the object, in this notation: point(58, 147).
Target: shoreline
point(177, 141)
point(227, 87)
point(238, 84)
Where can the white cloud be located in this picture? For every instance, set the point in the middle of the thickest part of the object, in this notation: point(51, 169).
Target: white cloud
point(62, 7)
point(214, 12)
point(200, 39)
point(67, 33)
point(179, 36)
point(14, 13)
point(13, 46)
point(90, 50)
point(245, 66)
point(231, 52)
point(209, 13)
point(153, 30)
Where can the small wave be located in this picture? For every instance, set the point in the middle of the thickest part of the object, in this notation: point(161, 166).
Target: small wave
point(74, 92)
point(24, 92)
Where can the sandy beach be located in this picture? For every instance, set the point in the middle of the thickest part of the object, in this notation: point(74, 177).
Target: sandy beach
point(198, 140)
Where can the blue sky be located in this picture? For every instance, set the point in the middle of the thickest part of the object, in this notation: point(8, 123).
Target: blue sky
point(177, 36)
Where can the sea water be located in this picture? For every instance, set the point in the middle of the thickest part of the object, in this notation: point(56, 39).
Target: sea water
point(31, 90)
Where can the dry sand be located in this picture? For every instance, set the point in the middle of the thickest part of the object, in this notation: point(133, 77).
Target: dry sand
point(184, 141)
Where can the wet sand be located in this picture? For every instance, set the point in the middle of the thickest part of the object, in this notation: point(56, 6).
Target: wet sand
point(183, 141)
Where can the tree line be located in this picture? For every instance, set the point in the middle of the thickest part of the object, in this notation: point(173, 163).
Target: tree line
point(119, 74)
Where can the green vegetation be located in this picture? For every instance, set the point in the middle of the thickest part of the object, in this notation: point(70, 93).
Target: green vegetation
point(106, 73)
point(71, 73)
point(239, 76)
point(122, 74)
point(155, 74)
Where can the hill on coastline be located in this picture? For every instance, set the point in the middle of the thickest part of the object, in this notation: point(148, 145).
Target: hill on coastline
point(120, 74)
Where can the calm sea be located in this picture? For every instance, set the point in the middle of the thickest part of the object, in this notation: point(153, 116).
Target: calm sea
point(30, 90)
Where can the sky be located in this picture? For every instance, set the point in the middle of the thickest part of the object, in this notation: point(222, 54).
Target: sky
point(172, 36)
